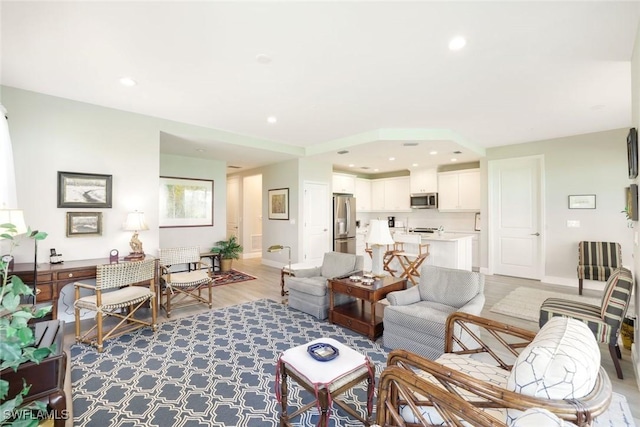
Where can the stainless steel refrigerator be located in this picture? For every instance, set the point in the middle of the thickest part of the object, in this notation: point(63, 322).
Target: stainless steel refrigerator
point(344, 223)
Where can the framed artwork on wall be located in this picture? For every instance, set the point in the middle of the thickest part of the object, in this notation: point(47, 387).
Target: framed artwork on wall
point(185, 202)
point(84, 224)
point(84, 190)
point(279, 203)
point(632, 202)
point(582, 201)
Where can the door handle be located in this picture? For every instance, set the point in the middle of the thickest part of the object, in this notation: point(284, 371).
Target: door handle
point(534, 234)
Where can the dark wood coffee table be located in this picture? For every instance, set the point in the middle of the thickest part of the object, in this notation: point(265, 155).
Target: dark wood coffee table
point(360, 315)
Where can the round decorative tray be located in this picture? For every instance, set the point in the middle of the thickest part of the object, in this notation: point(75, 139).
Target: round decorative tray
point(368, 281)
point(323, 352)
point(355, 278)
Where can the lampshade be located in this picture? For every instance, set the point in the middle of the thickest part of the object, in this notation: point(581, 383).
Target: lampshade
point(275, 248)
point(15, 217)
point(135, 222)
point(379, 233)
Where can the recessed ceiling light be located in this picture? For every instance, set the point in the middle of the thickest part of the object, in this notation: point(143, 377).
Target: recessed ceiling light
point(392, 158)
point(414, 165)
point(127, 81)
point(376, 170)
point(457, 43)
point(272, 119)
point(433, 153)
point(351, 165)
point(263, 58)
point(200, 150)
point(454, 160)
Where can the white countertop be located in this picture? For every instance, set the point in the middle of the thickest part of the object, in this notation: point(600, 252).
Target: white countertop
point(446, 237)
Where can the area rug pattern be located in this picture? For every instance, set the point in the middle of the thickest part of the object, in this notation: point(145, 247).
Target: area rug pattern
point(213, 369)
point(524, 303)
point(231, 276)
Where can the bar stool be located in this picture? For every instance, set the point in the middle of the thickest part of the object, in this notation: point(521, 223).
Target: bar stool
point(412, 257)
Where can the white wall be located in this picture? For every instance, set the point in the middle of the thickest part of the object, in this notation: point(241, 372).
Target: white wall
point(189, 167)
point(635, 120)
point(582, 164)
point(51, 134)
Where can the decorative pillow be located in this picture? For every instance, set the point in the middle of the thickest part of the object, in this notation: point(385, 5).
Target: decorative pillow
point(562, 362)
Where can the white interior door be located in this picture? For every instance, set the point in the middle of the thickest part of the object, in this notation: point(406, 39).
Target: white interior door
point(516, 217)
point(317, 219)
point(233, 206)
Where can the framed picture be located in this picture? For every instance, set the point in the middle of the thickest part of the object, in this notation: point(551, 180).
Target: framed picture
point(632, 202)
point(83, 190)
point(279, 203)
point(84, 224)
point(186, 202)
point(582, 201)
point(477, 227)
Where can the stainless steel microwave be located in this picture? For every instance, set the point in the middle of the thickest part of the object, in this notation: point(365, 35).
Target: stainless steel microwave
point(424, 201)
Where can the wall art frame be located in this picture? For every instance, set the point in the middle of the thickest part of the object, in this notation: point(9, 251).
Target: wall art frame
point(582, 201)
point(84, 190)
point(632, 202)
point(279, 204)
point(185, 202)
point(84, 224)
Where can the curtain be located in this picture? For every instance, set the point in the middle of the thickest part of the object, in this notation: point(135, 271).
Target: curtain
point(8, 196)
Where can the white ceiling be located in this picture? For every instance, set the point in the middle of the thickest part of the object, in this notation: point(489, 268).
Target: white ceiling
point(363, 76)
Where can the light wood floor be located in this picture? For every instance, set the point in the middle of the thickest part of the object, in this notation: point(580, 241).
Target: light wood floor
point(268, 286)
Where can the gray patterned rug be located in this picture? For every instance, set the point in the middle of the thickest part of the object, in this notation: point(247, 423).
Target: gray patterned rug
point(213, 369)
point(217, 369)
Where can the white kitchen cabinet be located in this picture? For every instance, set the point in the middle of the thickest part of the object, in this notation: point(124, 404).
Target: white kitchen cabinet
point(459, 190)
point(343, 183)
point(424, 181)
point(396, 194)
point(390, 194)
point(363, 195)
point(377, 195)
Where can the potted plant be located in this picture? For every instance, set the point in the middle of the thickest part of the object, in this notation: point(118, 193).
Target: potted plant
point(17, 338)
point(229, 250)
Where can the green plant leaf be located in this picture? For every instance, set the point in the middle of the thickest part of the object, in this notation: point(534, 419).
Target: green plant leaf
point(9, 353)
point(10, 302)
point(4, 389)
point(42, 311)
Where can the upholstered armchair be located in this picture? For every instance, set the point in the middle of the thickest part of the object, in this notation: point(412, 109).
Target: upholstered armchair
point(415, 318)
point(597, 260)
point(308, 291)
point(503, 376)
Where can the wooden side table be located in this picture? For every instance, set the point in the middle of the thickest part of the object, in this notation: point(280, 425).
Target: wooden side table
point(360, 315)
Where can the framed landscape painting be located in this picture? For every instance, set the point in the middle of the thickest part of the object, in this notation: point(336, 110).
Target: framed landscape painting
point(84, 224)
point(186, 202)
point(84, 190)
point(279, 203)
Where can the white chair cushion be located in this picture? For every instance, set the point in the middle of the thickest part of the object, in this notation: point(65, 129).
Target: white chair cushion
point(538, 417)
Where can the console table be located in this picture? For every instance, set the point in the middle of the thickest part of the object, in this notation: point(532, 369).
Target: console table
point(53, 277)
point(47, 377)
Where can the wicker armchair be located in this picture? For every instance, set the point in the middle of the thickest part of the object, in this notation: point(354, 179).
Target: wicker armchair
point(114, 295)
point(184, 288)
point(415, 391)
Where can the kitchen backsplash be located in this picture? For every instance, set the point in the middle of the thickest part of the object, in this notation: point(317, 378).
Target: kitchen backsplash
point(454, 221)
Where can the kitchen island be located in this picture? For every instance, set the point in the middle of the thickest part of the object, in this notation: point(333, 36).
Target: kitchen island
point(448, 250)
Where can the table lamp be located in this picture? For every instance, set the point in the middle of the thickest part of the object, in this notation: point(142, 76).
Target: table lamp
point(135, 222)
point(378, 237)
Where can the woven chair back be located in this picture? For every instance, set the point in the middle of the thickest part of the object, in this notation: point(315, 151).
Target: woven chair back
point(124, 273)
point(174, 256)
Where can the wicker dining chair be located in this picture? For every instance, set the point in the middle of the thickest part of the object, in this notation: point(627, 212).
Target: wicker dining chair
point(184, 288)
point(121, 289)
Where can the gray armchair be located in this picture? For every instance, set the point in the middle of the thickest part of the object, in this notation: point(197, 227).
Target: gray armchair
point(415, 318)
point(308, 291)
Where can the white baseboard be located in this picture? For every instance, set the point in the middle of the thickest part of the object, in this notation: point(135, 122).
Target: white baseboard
point(251, 255)
point(275, 264)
